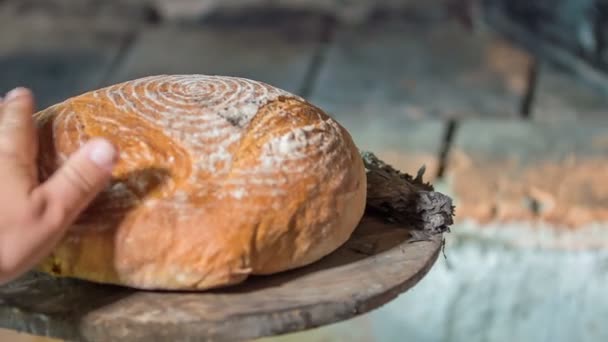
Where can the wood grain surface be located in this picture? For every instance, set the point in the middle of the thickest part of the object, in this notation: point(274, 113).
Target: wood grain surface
point(373, 267)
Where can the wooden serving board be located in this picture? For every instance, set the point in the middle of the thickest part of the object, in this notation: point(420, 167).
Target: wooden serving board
point(377, 264)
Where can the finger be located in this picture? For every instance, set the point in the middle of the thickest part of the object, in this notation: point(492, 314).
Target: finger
point(71, 188)
point(55, 204)
point(18, 140)
point(20, 253)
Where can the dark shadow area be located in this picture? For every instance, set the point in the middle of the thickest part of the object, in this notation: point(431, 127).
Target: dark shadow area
point(140, 184)
point(527, 103)
point(446, 147)
point(151, 15)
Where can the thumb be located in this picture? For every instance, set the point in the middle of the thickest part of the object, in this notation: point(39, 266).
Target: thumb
point(71, 188)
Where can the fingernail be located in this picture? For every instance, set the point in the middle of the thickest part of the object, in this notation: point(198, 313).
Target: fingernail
point(15, 93)
point(103, 154)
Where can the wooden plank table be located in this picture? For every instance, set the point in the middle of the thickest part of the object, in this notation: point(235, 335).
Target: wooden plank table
point(373, 267)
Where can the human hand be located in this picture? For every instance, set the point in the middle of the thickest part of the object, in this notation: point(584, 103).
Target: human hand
point(34, 216)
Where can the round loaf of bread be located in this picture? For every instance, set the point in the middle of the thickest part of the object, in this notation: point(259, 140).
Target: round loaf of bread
point(219, 178)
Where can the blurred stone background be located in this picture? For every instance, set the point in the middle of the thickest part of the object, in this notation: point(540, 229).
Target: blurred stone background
point(504, 101)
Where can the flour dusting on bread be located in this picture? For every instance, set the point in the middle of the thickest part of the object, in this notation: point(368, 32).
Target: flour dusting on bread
point(219, 177)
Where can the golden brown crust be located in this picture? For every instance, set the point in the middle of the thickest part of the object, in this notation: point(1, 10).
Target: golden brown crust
point(219, 178)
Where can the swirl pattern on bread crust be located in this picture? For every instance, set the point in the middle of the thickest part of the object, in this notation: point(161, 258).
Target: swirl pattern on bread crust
point(219, 178)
